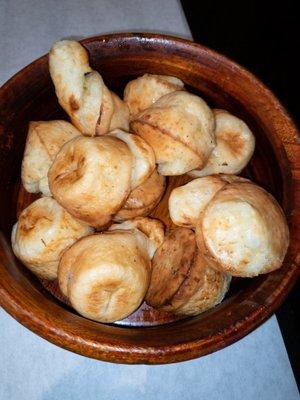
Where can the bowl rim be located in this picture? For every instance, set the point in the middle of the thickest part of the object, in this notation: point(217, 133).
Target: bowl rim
point(38, 322)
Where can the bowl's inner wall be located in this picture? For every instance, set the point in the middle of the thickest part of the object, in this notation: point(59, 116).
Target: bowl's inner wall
point(36, 100)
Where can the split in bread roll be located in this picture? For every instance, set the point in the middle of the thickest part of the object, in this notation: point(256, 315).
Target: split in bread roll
point(143, 156)
point(153, 229)
point(188, 201)
point(181, 281)
point(43, 231)
point(142, 92)
point(105, 276)
point(90, 177)
point(243, 231)
point(81, 91)
point(143, 199)
point(235, 146)
point(180, 128)
point(44, 140)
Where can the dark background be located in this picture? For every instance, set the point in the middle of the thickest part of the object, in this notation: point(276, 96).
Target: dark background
point(264, 38)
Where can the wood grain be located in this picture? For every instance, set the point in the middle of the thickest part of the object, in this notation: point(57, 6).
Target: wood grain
point(148, 336)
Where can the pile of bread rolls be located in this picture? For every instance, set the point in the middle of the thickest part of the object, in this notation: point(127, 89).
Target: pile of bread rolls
point(103, 173)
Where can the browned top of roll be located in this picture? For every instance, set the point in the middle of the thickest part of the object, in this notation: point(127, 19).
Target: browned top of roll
point(90, 177)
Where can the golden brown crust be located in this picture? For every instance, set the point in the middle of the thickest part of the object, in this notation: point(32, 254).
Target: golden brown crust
point(234, 147)
point(243, 231)
point(180, 128)
point(153, 230)
point(79, 89)
point(142, 92)
point(181, 281)
point(170, 266)
point(188, 201)
point(44, 140)
point(210, 292)
point(143, 156)
point(193, 280)
point(43, 231)
point(143, 199)
point(82, 93)
point(172, 156)
point(110, 285)
point(90, 177)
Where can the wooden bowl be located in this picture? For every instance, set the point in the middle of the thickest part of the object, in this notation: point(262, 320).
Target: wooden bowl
point(29, 95)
